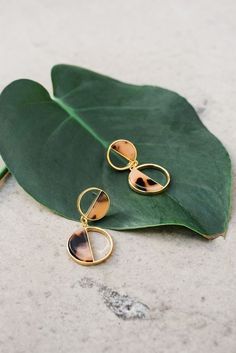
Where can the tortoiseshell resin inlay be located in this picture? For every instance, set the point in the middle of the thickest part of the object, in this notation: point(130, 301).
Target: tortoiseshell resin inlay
point(99, 207)
point(143, 182)
point(79, 246)
point(125, 148)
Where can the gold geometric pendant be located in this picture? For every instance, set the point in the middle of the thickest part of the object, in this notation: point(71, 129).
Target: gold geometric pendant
point(79, 244)
point(138, 180)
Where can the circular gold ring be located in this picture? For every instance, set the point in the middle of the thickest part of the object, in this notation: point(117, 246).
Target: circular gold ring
point(85, 215)
point(93, 261)
point(130, 161)
point(152, 188)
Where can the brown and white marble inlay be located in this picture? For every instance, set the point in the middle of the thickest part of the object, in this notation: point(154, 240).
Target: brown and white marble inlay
point(125, 148)
point(79, 246)
point(99, 207)
point(143, 182)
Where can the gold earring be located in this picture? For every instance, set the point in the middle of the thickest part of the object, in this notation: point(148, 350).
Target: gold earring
point(138, 181)
point(79, 244)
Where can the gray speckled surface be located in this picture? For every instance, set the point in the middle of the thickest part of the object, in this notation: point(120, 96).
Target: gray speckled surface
point(165, 291)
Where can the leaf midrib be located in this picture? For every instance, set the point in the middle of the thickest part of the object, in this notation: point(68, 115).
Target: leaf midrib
point(71, 112)
point(74, 115)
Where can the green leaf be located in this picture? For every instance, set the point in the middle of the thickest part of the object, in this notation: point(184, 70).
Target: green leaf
point(56, 147)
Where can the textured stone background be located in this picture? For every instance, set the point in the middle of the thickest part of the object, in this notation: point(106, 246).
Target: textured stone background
point(163, 291)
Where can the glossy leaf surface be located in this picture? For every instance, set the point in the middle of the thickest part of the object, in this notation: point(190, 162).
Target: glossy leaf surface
point(56, 147)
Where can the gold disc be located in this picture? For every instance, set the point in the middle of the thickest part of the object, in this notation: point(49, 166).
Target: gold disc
point(142, 183)
point(80, 248)
point(99, 206)
point(124, 149)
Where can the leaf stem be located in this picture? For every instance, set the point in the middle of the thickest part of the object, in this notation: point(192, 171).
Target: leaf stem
point(3, 172)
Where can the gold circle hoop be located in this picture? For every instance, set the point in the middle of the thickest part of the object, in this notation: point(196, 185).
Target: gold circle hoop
point(80, 198)
point(130, 161)
point(153, 166)
point(94, 262)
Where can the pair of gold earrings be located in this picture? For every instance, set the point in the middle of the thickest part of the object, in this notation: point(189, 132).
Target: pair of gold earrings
point(80, 245)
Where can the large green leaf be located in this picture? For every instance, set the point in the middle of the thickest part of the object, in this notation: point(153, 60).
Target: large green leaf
point(55, 147)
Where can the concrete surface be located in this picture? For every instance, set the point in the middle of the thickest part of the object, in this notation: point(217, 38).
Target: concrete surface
point(163, 291)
